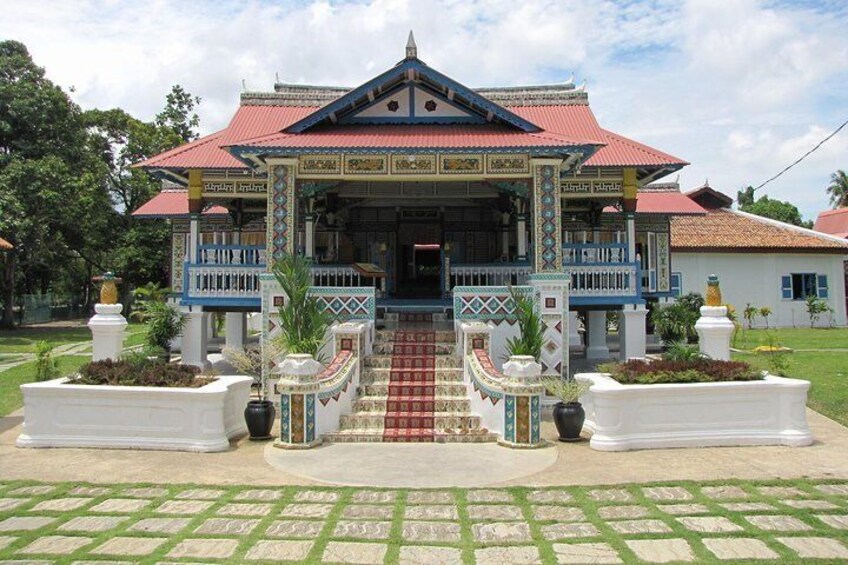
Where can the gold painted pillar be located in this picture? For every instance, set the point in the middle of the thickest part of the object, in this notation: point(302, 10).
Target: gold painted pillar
point(282, 208)
point(630, 187)
point(547, 216)
point(195, 208)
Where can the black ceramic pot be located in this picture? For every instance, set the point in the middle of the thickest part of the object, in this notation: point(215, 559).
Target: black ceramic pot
point(259, 416)
point(569, 420)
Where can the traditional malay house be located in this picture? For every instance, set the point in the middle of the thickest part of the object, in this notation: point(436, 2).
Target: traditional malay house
point(420, 198)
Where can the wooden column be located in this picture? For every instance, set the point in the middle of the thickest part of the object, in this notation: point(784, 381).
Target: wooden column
point(630, 189)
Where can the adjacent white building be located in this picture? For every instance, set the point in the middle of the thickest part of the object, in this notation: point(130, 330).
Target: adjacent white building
point(759, 261)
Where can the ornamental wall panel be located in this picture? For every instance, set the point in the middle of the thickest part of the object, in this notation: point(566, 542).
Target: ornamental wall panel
point(178, 257)
point(320, 165)
point(281, 211)
point(547, 222)
point(413, 164)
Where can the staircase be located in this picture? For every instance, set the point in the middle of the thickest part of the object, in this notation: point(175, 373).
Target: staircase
point(411, 390)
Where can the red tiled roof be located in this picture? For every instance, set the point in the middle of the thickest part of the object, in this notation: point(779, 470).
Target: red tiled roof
point(5, 244)
point(411, 136)
point(672, 203)
point(203, 153)
point(726, 230)
point(833, 222)
point(578, 120)
point(262, 125)
point(172, 203)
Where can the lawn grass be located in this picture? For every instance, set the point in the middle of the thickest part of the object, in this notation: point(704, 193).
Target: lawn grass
point(24, 339)
point(795, 338)
point(11, 380)
point(580, 497)
point(827, 372)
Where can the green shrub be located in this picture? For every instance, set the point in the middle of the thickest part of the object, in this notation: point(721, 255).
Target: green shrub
point(566, 390)
point(679, 351)
point(638, 371)
point(815, 308)
point(46, 367)
point(676, 322)
point(134, 372)
point(303, 320)
point(531, 330)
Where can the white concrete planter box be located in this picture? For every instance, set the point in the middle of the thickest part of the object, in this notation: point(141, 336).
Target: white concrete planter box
point(624, 417)
point(135, 417)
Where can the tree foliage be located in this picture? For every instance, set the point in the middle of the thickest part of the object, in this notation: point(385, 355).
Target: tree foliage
point(68, 189)
point(838, 189)
point(772, 208)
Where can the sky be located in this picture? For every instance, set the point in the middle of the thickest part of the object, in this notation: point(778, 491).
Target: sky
point(739, 88)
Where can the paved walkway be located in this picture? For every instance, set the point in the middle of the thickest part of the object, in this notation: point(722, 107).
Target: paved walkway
point(575, 464)
point(680, 522)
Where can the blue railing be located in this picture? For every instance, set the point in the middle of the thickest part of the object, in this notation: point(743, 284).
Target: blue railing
point(594, 253)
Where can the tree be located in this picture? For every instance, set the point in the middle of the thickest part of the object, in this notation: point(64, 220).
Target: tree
point(776, 210)
point(838, 189)
point(178, 115)
point(745, 197)
point(44, 192)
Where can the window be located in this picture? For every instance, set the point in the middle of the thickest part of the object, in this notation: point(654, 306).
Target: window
point(798, 286)
point(676, 284)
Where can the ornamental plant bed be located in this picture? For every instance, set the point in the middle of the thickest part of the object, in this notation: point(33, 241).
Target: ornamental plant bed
point(637, 371)
point(135, 405)
point(139, 372)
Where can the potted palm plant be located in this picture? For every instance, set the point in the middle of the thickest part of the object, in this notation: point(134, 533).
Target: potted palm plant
point(303, 326)
point(531, 332)
point(569, 414)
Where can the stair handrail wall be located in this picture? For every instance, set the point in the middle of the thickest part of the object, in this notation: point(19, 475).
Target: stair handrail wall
point(313, 398)
point(509, 404)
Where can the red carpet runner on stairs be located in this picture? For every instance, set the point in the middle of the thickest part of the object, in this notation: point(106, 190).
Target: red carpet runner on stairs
point(411, 402)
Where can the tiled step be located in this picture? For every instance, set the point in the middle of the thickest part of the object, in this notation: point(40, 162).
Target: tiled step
point(412, 362)
point(456, 404)
point(439, 420)
point(438, 436)
point(412, 389)
point(406, 348)
point(384, 376)
point(391, 336)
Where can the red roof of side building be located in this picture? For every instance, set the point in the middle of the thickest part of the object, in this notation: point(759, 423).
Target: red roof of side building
point(664, 202)
point(833, 222)
point(172, 203)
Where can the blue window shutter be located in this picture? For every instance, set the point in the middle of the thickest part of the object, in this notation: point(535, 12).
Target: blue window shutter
point(822, 280)
point(676, 284)
point(786, 287)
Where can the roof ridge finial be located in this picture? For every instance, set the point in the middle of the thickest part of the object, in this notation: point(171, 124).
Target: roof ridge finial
point(411, 48)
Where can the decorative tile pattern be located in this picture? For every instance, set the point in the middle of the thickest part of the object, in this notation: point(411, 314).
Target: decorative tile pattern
point(547, 220)
point(281, 212)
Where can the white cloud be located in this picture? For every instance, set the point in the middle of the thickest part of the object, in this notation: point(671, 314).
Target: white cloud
point(739, 88)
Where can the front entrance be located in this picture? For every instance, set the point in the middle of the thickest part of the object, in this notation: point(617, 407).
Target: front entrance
point(419, 255)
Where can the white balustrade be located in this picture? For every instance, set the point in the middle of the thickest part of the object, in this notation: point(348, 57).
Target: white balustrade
point(582, 253)
point(220, 281)
point(489, 274)
point(603, 280)
point(231, 255)
point(336, 275)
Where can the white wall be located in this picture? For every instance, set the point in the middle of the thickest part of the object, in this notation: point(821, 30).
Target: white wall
point(756, 278)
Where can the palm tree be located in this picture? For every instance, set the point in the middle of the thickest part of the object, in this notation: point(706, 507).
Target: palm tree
point(838, 189)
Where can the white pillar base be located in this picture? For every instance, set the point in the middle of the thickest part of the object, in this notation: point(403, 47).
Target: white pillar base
point(195, 340)
point(107, 331)
point(574, 340)
point(632, 332)
point(714, 332)
point(597, 335)
point(235, 326)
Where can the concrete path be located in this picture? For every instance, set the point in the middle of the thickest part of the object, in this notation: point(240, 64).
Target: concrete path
point(575, 464)
point(412, 465)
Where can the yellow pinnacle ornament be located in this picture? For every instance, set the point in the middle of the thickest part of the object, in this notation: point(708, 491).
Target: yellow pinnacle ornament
point(108, 288)
point(713, 291)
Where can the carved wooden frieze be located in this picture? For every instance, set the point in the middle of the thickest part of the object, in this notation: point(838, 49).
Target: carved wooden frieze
point(507, 164)
point(365, 164)
point(320, 165)
point(413, 164)
point(461, 164)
